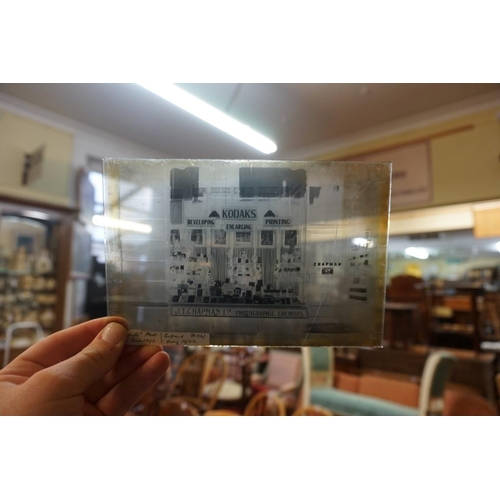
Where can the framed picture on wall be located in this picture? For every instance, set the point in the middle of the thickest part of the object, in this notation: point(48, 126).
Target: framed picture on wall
point(243, 238)
point(219, 238)
point(197, 237)
point(290, 238)
point(175, 236)
point(267, 238)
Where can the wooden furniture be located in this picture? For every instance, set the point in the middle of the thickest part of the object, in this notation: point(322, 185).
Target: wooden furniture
point(45, 299)
point(176, 407)
point(221, 413)
point(490, 320)
point(472, 370)
point(312, 411)
point(236, 390)
point(199, 379)
point(454, 318)
point(404, 288)
point(405, 311)
point(265, 403)
point(402, 321)
point(437, 369)
point(283, 374)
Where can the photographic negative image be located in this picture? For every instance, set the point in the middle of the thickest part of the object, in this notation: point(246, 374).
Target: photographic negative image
point(220, 237)
point(243, 238)
point(290, 238)
point(197, 236)
point(175, 236)
point(261, 288)
point(267, 238)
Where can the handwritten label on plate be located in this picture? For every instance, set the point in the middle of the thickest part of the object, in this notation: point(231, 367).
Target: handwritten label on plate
point(138, 337)
point(185, 338)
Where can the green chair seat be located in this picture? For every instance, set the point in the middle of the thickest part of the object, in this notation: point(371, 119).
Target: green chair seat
point(348, 403)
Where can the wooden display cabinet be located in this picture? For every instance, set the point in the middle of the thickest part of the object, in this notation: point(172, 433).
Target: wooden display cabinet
point(35, 260)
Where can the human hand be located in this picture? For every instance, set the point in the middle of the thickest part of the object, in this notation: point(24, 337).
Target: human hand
point(83, 370)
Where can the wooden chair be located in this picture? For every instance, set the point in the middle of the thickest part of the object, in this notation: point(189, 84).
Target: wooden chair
point(265, 404)
point(177, 407)
point(283, 374)
point(221, 413)
point(312, 411)
point(20, 327)
point(236, 391)
point(199, 379)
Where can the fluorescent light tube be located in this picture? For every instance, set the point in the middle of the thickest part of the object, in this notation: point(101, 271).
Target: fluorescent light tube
point(417, 252)
point(204, 111)
point(100, 220)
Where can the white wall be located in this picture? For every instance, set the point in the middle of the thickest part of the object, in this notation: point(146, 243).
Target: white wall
point(87, 141)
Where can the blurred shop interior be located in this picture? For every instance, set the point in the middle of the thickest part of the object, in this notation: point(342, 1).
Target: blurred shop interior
point(442, 312)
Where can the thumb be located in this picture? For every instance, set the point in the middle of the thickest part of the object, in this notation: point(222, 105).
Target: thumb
point(97, 359)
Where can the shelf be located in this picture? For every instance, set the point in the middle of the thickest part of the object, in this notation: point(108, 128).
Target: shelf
point(9, 272)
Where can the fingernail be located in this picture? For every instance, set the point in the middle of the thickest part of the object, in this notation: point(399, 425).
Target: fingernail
point(114, 333)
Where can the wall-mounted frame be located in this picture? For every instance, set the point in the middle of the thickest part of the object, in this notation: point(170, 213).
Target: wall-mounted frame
point(219, 237)
point(197, 237)
point(267, 238)
point(243, 238)
point(175, 236)
point(290, 238)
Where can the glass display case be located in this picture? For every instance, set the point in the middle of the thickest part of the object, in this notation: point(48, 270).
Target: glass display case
point(35, 250)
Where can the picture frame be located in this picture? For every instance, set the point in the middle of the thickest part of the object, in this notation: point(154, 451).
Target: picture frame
point(175, 236)
point(290, 238)
point(197, 237)
point(243, 239)
point(267, 238)
point(220, 237)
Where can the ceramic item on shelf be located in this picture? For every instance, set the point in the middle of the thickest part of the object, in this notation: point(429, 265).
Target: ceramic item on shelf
point(10, 298)
point(47, 318)
point(50, 284)
point(18, 315)
point(27, 282)
point(25, 296)
point(43, 263)
point(20, 262)
point(46, 299)
point(4, 258)
point(31, 315)
point(39, 283)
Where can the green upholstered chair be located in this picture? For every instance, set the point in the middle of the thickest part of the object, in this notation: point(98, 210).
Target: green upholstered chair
point(436, 372)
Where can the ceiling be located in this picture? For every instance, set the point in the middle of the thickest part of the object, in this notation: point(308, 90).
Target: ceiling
point(294, 115)
point(447, 244)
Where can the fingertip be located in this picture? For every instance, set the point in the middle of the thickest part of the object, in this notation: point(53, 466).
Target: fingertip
point(118, 319)
point(114, 334)
point(163, 359)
